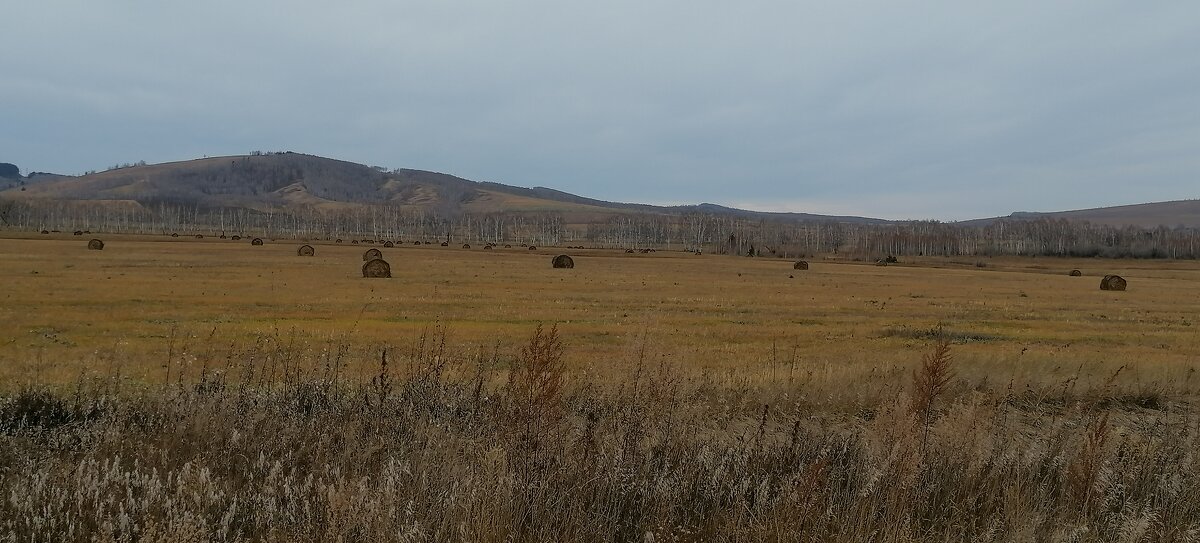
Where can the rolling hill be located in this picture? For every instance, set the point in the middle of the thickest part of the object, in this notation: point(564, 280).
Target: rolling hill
point(273, 181)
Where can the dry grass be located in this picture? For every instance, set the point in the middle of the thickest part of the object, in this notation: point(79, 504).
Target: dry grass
point(192, 390)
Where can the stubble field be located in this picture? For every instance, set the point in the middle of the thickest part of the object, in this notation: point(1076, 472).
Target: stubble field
point(678, 397)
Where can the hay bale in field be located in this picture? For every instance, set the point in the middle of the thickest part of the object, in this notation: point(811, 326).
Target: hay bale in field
point(800, 265)
point(236, 238)
point(45, 232)
point(339, 240)
point(881, 262)
point(372, 254)
point(256, 241)
point(445, 244)
point(354, 242)
point(377, 267)
point(417, 242)
point(79, 232)
point(174, 234)
point(466, 246)
point(629, 251)
point(487, 247)
point(1112, 282)
point(507, 246)
point(388, 244)
point(1076, 273)
point(563, 261)
point(199, 236)
point(532, 248)
point(306, 250)
point(96, 245)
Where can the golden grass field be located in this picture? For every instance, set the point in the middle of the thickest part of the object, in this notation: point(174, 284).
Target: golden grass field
point(182, 389)
point(67, 311)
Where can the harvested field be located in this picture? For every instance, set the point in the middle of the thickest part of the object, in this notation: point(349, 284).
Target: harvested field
point(1058, 408)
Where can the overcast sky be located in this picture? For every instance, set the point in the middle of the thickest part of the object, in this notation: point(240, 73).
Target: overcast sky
point(942, 110)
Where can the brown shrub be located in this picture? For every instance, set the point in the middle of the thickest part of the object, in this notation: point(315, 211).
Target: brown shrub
point(306, 250)
point(96, 245)
point(563, 261)
point(372, 254)
point(800, 265)
point(377, 267)
point(1112, 282)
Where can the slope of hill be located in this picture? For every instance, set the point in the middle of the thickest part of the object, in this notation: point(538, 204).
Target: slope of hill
point(275, 180)
point(1185, 213)
point(270, 181)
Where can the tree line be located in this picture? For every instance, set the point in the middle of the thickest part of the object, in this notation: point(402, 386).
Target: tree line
point(716, 233)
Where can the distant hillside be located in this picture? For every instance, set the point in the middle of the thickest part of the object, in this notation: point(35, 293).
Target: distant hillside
point(272, 181)
point(1184, 213)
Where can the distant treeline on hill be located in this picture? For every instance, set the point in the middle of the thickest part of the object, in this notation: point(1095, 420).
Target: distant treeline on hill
point(690, 231)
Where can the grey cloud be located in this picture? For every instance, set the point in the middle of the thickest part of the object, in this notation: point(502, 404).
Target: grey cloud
point(946, 110)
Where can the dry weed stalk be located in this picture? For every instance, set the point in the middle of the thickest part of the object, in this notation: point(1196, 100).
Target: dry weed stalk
point(930, 383)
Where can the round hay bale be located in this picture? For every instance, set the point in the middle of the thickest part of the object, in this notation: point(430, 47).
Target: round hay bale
point(487, 247)
point(881, 262)
point(256, 241)
point(236, 238)
point(445, 244)
point(372, 254)
point(96, 245)
point(339, 240)
point(466, 246)
point(1076, 273)
point(45, 232)
point(563, 261)
point(223, 236)
point(800, 265)
point(199, 236)
point(1112, 282)
point(388, 244)
point(532, 248)
point(629, 251)
point(417, 242)
point(174, 234)
point(354, 242)
point(306, 250)
point(79, 232)
point(377, 267)
point(507, 246)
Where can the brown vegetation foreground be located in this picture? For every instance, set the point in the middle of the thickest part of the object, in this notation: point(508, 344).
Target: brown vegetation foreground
point(276, 443)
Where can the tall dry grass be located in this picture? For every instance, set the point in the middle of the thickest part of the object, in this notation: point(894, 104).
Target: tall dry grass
point(273, 442)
